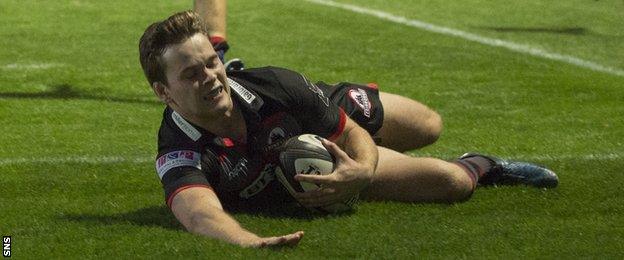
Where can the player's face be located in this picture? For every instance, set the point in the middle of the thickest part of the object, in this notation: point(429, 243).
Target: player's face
point(196, 81)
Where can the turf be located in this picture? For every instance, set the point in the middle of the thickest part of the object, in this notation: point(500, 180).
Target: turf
point(79, 127)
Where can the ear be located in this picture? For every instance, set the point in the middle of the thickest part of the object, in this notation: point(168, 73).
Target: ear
point(161, 92)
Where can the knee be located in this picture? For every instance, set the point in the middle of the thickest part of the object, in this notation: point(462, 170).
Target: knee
point(432, 128)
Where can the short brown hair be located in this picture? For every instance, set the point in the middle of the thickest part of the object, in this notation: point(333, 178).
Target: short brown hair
point(159, 35)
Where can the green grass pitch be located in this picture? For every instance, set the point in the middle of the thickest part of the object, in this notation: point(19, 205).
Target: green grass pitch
point(79, 124)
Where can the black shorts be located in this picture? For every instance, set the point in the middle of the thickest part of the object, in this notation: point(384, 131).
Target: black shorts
point(360, 102)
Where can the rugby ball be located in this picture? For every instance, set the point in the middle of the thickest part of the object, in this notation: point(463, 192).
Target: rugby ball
point(305, 154)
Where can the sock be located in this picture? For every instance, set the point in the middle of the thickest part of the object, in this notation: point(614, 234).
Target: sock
point(214, 40)
point(476, 167)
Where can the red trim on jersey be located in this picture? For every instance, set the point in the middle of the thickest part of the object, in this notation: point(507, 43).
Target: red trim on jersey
point(227, 142)
point(170, 198)
point(214, 40)
point(341, 126)
point(372, 85)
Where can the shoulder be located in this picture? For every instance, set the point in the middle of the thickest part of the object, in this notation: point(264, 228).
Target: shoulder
point(269, 75)
point(176, 133)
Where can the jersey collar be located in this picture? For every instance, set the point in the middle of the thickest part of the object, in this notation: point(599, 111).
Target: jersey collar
point(249, 102)
point(247, 97)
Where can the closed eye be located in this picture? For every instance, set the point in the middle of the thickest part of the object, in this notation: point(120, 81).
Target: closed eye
point(213, 62)
point(190, 75)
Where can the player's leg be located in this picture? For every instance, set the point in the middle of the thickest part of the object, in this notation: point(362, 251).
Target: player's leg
point(407, 124)
point(411, 179)
point(213, 12)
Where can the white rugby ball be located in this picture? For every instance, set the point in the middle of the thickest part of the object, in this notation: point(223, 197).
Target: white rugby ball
point(305, 154)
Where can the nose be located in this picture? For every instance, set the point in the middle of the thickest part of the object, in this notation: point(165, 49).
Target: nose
point(210, 75)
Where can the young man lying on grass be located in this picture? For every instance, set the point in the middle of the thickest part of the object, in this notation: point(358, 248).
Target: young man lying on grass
point(215, 126)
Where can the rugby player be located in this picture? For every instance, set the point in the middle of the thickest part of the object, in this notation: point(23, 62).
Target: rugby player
point(213, 12)
point(216, 126)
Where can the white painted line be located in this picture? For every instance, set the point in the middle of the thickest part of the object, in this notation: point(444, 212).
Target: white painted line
point(34, 66)
point(521, 48)
point(581, 157)
point(80, 159)
point(546, 157)
point(147, 159)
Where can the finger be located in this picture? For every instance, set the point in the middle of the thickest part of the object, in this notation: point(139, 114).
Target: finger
point(290, 240)
point(272, 241)
point(317, 179)
point(293, 239)
point(335, 150)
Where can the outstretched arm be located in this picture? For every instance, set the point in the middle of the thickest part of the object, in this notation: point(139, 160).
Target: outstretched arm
point(200, 211)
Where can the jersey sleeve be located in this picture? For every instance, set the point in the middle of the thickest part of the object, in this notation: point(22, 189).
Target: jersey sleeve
point(178, 163)
point(309, 105)
point(179, 170)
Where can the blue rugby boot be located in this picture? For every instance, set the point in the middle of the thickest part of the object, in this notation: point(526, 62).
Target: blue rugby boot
point(506, 172)
point(235, 64)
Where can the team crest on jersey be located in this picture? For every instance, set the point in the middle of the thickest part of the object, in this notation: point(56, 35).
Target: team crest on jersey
point(360, 98)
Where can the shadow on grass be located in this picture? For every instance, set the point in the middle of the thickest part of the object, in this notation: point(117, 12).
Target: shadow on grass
point(66, 91)
point(161, 216)
point(287, 210)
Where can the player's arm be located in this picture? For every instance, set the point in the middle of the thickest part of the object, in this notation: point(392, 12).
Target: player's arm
point(355, 166)
point(358, 144)
point(199, 210)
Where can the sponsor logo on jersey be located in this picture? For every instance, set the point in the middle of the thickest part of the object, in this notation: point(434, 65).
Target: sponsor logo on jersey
point(241, 91)
point(360, 98)
point(316, 90)
point(174, 159)
point(266, 176)
point(239, 169)
point(185, 126)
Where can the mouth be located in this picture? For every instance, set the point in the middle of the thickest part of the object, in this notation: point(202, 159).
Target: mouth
point(213, 93)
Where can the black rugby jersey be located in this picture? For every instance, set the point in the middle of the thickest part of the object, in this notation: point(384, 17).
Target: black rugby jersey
point(276, 104)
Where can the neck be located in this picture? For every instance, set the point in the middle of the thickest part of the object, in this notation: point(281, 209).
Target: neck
point(229, 124)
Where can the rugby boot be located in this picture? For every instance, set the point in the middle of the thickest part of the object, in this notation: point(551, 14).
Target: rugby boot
point(221, 48)
point(506, 172)
point(231, 65)
point(234, 65)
